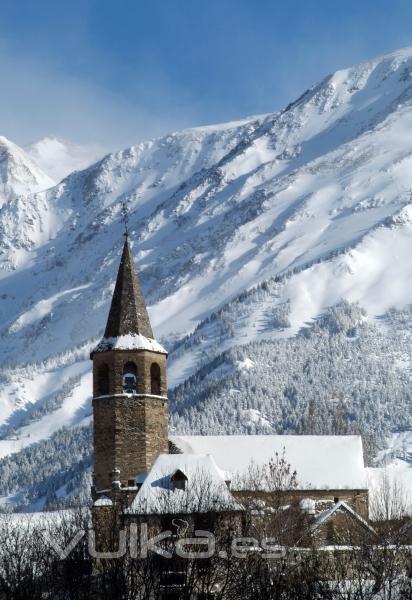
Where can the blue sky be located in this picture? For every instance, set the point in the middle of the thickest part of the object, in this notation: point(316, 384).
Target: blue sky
point(115, 72)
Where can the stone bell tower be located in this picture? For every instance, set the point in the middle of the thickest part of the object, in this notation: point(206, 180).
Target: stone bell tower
point(129, 389)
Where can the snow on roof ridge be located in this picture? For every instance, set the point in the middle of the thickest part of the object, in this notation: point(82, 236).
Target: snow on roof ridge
point(131, 341)
point(326, 514)
point(321, 462)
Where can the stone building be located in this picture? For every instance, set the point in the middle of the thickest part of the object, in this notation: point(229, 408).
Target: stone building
point(140, 472)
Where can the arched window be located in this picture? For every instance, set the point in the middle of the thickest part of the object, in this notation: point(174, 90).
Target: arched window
point(130, 378)
point(103, 380)
point(155, 379)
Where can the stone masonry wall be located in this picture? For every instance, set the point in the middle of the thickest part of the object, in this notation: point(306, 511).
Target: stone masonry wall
point(129, 431)
point(103, 442)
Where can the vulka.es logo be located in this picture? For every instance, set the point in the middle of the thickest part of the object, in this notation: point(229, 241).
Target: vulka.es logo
point(139, 545)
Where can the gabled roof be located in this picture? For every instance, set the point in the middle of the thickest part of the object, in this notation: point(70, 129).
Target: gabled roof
point(340, 506)
point(205, 490)
point(128, 314)
point(321, 461)
point(178, 475)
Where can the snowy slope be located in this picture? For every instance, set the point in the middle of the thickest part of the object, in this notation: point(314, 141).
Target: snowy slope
point(313, 200)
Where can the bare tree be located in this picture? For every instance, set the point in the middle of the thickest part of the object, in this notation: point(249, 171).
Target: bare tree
point(389, 500)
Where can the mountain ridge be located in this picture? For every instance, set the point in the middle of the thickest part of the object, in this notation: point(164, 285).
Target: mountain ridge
point(58, 157)
point(19, 174)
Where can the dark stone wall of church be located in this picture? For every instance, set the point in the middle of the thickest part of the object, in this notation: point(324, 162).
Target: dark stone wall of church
point(141, 434)
point(129, 431)
point(104, 434)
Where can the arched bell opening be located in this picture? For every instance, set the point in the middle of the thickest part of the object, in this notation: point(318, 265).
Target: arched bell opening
point(130, 378)
point(155, 380)
point(103, 380)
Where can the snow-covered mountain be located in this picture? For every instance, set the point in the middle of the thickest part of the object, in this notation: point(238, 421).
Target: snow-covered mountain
point(241, 232)
point(58, 158)
point(19, 174)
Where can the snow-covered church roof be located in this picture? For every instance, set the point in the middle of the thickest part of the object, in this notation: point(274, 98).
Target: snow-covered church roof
point(321, 461)
point(129, 342)
point(205, 487)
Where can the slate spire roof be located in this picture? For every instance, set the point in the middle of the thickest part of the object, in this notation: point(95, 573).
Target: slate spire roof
point(128, 313)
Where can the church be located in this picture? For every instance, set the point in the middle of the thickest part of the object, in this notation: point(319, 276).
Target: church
point(142, 471)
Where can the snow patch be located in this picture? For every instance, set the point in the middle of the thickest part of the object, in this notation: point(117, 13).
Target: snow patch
point(129, 342)
point(245, 365)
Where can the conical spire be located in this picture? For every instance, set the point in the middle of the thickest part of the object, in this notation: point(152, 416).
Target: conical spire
point(128, 313)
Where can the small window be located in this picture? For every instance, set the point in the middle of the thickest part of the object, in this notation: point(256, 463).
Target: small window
point(131, 483)
point(155, 379)
point(179, 480)
point(130, 378)
point(103, 383)
point(180, 484)
point(336, 500)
